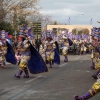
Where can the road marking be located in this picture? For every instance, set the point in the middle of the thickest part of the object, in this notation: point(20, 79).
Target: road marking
point(66, 63)
point(78, 70)
point(7, 63)
point(62, 65)
point(33, 79)
point(88, 71)
point(37, 84)
point(77, 58)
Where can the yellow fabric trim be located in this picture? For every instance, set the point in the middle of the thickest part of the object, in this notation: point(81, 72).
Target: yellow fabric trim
point(91, 92)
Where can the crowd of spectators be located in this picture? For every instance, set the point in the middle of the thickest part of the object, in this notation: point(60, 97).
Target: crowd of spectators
point(78, 47)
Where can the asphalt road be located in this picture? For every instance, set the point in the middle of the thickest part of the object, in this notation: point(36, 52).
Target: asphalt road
point(60, 83)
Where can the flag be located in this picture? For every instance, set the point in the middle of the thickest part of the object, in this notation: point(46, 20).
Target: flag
point(70, 35)
point(43, 35)
point(30, 34)
point(91, 20)
point(52, 34)
point(47, 20)
point(69, 20)
point(63, 33)
point(95, 34)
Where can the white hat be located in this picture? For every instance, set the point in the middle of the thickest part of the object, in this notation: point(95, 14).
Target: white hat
point(63, 32)
point(64, 37)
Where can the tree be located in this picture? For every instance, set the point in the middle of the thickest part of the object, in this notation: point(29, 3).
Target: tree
point(85, 31)
point(55, 23)
point(14, 9)
point(2, 14)
point(74, 31)
point(21, 20)
point(6, 26)
point(80, 32)
point(43, 19)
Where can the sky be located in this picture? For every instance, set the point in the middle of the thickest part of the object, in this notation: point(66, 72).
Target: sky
point(81, 12)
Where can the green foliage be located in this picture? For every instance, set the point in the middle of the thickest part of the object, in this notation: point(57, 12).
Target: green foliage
point(21, 20)
point(85, 30)
point(6, 26)
point(80, 32)
point(55, 23)
point(74, 31)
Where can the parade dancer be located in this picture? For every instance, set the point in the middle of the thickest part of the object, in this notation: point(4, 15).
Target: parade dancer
point(65, 46)
point(6, 50)
point(30, 58)
point(51, 50)
point(96, 86)
point(97, 67)
point(94, 54)
point(94, 90)
point(2, 56)
point(91, 49)
point(95, 46)
point(83, 49)
point(96, 59)
point(93, 60)
point(23, 49)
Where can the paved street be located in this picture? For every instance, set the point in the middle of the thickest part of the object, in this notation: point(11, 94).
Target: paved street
point(60, 83)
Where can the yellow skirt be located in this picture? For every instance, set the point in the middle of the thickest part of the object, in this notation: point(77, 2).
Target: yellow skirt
point(50, 56)
point(96, 87)
point(97, 66)
point(65, 51)
point(83, 49)
point(92, 56)
point(2, 58)
point(23, 62)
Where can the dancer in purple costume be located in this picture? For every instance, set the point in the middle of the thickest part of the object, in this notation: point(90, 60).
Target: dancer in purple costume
point(65, 48)
point(6, 50)
point(30, 58)
point(93, 91)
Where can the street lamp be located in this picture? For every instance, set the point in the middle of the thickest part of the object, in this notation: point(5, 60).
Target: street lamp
point(78, 15)
point(98, 21)
point(76, 20)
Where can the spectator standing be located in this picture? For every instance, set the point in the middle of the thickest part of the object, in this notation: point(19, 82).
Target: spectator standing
point(38, 43)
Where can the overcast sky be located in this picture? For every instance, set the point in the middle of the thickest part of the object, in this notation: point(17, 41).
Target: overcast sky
point(61, 10)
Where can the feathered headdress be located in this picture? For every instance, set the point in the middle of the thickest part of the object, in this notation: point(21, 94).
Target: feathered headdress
point(23, 27)
point(48, 35)
point(95, 34)
point(4, 35)
point(30, 34)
